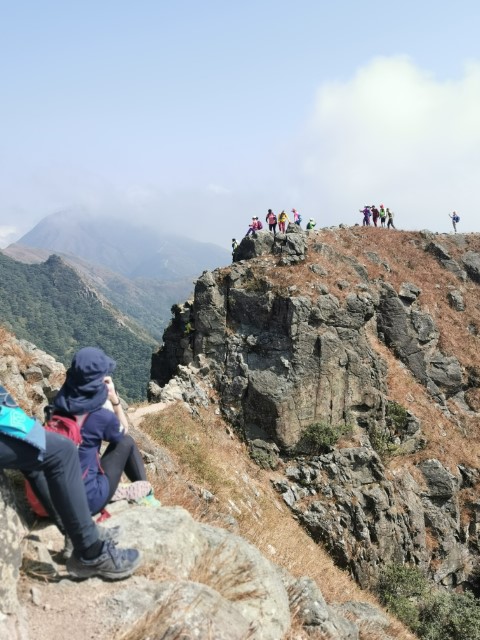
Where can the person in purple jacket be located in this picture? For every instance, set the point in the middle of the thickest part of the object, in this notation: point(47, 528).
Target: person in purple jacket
point(89, 394)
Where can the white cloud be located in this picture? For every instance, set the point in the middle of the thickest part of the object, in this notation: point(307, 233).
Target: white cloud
point(8, 234)
point(394, 133)
point(218, 190)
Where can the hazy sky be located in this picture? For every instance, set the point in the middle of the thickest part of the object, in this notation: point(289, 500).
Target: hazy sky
point(194, 115)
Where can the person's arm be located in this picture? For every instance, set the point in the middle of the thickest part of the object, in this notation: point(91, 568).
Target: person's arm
point(116, 404)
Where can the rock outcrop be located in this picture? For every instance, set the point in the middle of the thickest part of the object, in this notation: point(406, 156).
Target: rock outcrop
point(286, 357)
point(198, 579)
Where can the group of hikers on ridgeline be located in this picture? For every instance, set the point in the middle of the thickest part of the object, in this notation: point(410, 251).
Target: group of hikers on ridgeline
point(282, 220)
point(67, 475)
point(371, 215)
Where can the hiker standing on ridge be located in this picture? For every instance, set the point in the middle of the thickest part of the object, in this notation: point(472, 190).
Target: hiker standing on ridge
point(390, 219)
point(455, 218)
point(297, 218)
point(382, 215)
point(25, 445)
point(271, 219)
point(375, 214)
point(366, 215)
point(311, 224)
point(282, 220)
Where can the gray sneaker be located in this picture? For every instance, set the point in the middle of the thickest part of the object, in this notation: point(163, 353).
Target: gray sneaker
point(104, 533)
point(111, 564)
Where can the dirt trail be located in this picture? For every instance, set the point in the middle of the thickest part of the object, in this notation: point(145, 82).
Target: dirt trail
point(58, 607)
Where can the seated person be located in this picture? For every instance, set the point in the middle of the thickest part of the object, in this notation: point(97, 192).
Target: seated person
point(26, 446)
point(89, 394)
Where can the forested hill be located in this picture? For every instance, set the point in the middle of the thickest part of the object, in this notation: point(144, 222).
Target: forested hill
point(49, 305)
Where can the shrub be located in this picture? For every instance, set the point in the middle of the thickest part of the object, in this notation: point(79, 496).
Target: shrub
point(320, 437)
point(396, 416)
point(401, 588)
point(432, 615)
point(455, 616)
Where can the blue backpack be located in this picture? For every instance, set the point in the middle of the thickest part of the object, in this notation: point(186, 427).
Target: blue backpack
point(456, 218)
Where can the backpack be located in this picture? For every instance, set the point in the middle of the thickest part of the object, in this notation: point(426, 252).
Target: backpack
point(69, 428)
point(299, 219)
point(456, 218)
point(259, 225)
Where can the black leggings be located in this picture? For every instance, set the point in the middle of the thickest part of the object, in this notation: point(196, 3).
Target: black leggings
point(122, 457)
point(57, 482)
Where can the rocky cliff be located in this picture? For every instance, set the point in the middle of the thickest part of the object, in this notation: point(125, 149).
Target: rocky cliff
point(197, 579)
point(372, 336)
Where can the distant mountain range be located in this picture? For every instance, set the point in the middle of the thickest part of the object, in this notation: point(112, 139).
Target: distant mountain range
point(50, 305)
point(139, 271)
point(123, 247)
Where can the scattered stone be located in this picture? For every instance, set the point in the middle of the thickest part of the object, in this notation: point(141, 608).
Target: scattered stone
point(455, 300)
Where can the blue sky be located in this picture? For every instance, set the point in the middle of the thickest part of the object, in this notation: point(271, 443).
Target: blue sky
point(193, 116)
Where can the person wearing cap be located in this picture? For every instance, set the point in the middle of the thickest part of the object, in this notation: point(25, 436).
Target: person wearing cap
point(255, 225)
point(26, 446)
point(89, 394)
point(311, 224)
point(297, 218)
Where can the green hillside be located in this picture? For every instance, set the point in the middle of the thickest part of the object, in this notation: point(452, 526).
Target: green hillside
point(49, 305)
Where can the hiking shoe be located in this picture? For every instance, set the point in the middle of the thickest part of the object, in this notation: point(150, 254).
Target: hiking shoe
point(104, 533)
point(111, 564)
point(149, 501)
point(107, 534)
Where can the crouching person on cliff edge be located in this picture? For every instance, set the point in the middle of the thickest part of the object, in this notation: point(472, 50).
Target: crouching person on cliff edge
point(25, 445)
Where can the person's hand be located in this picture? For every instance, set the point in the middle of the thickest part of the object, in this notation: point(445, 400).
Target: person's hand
point(112, 394)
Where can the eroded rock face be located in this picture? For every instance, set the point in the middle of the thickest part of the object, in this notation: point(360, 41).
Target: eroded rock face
point(282, 362)
point(369, 518)
point(413, 336)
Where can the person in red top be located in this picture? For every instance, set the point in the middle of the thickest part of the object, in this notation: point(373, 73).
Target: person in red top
point(255, 225)
point(272, 221)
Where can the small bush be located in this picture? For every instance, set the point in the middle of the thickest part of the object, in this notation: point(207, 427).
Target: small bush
point(396, 416)
point(320, 437)
point(455, 616)
point(401, 588)
point(431, 614)
point(381, 442)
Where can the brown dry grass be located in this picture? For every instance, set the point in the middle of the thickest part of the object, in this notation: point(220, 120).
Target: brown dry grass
point(224, 467)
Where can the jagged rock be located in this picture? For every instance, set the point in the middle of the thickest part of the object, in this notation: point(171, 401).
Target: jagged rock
point(318, 269)
point(365, 616)
point(254, 245)
point(264, 453)
point(438, 251)
point(12, 615)
point(471, 262)
point(285, 352)
point(446, 260)
point(314, 613)
point(413, 336)
point(189, 550)
point(409, 292)
point(441, 483)
point(455, 300)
